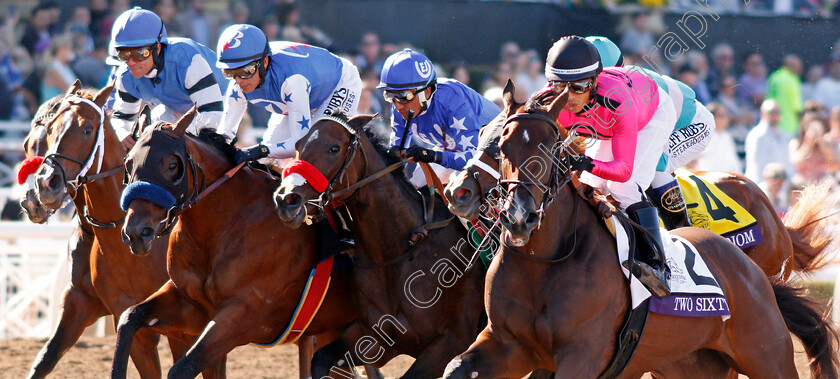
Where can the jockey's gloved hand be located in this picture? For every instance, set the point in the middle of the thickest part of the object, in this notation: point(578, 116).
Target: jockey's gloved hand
point(579, 162)
point(250, 153)
point(396, 153)
point(423, 155)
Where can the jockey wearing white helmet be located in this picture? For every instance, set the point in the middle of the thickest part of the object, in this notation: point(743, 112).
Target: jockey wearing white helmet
point(692, 134)
point(176, 73)
point(288, 79)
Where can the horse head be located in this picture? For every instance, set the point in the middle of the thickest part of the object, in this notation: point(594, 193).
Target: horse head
point(530, 169)
point(157, 170)
point(326, 160)
point(75, 141)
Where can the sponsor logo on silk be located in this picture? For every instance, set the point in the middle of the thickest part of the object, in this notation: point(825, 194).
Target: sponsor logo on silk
point(235, 41)
point(672, 200)
point(424, 69)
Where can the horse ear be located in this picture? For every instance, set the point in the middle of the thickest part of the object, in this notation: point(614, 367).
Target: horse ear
point(102, 96)
point(557, 105)
point(180, 127)
point(361, 120)
point(75, 87)
point(507, 95)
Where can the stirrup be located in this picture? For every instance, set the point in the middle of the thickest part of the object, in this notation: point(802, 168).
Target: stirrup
point(655, 280)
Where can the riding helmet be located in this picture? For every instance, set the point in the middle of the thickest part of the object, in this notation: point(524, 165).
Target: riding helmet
point(239, 45)
point(137, 27)
point(572, 58)
point(407, 69)
point(610, 53)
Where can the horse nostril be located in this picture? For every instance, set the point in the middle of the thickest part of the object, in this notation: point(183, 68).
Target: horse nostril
point(292, 200)
point(53, 182)
point(533, 218)
point(147, 232)
point(462, 195)
point(504, 219)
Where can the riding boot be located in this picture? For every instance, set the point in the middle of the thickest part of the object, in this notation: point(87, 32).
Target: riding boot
point(669, 199)
point(651, 270)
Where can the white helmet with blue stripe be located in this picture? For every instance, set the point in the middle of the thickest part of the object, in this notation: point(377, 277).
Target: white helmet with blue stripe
point(137, 27)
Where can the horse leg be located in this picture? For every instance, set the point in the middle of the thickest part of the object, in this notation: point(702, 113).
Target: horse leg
point(144, 354)
point(492, 355)
point(431, 362)
point(221, 335)
point(306, 349)
point(339, 358)
point(78, 311)
point(166, 312)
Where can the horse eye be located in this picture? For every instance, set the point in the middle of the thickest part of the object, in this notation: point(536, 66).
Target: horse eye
point(334, 149)
point(173, 165)
point(88, 130)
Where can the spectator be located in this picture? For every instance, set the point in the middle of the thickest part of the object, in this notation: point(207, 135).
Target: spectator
point(723, 58)
point(637, 40)
point(738, 112)
point(294, 30)
point(810, 153)
point(689, 76)
point(499, 76)
point(369, 56)
point(815, 73)
point(99, 18)
point(460, 72)
point(531, 77)
point(775, 185)
point(767, 144)
point(36, 37)
point(198, 24)
point(496, 95)
point(721, 154)
point(239, 13)
point(509, 53)
point(752, 85)
point(272, 29)
point(167, 10)
point(827, 90)
point(700, 64)
point(58, 76)
point(91, 68)
point(784, 87)
point(79, 28)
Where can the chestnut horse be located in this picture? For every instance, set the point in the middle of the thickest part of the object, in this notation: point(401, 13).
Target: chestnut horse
point(81, 135)
point(557, 297)
point(236, 272)
point(415, 293)
point(798, 243)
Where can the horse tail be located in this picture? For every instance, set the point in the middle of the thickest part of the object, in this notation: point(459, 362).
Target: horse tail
point(809, 236)
point(813, 328)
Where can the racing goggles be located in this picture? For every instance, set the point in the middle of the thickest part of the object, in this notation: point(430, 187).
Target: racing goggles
point(578, 87)
point(138, 54)
point(402, 97)
point(245, 72)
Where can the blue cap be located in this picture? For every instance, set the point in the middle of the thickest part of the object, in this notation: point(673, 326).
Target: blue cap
point(239, 45)
point(137, 27)
point(609, 52)
point(406, 69)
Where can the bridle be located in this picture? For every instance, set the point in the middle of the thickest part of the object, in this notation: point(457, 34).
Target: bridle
point(559, 175)
point(96, 153)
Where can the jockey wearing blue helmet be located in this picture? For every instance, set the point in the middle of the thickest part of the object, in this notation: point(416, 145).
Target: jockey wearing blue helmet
point(445, 114)
point(692, 134)
point(174, 73)
point(289, 80)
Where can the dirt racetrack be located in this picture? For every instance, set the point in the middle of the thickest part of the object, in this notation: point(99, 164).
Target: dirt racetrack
point(91, 358)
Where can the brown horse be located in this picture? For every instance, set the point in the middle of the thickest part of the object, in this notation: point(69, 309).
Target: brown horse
point(558, 298)
point(415, 293)
point(799, 243)
point(236, 272)
point(72, 140)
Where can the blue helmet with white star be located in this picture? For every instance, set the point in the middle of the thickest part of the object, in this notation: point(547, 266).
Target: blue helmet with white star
point(240, 45)
point(609, 52)
point(406, 69)
point(137, 27)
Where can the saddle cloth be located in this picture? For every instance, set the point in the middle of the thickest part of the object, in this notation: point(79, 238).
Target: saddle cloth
point(712, 209)
point(694, 290)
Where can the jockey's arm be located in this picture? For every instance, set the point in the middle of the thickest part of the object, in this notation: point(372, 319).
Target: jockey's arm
point(462, 137)
point(204, 92)
point(624, 140)
point(127, 105)
point(235, 106)
point(398, 128)
point(295, 124)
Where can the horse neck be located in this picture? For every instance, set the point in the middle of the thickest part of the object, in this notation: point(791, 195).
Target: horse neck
point(389, 210)
point(102, 196)
point(568, 221)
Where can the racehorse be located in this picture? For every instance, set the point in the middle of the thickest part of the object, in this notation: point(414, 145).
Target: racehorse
point(73, 140)
point(797, 243)
point(548, 304)
point(236, 272)
point(415, 293)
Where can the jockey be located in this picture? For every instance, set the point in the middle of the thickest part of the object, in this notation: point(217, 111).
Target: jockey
point(287, 78)
point(632, 118)
point(444, 113)
point(691, 135)
point(173, 72)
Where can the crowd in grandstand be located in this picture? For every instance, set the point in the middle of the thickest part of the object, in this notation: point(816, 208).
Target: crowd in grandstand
point(780, 126)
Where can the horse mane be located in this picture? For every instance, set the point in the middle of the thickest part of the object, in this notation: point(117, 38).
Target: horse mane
point(52, 105)
point(217, 142)
point(538, 101)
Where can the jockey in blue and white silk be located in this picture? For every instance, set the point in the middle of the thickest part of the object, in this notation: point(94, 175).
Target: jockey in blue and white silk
point(449, 119)
point(299, 84)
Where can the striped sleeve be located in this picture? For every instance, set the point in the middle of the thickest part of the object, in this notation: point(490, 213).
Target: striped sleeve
point(204, 92)
point(126, 106)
